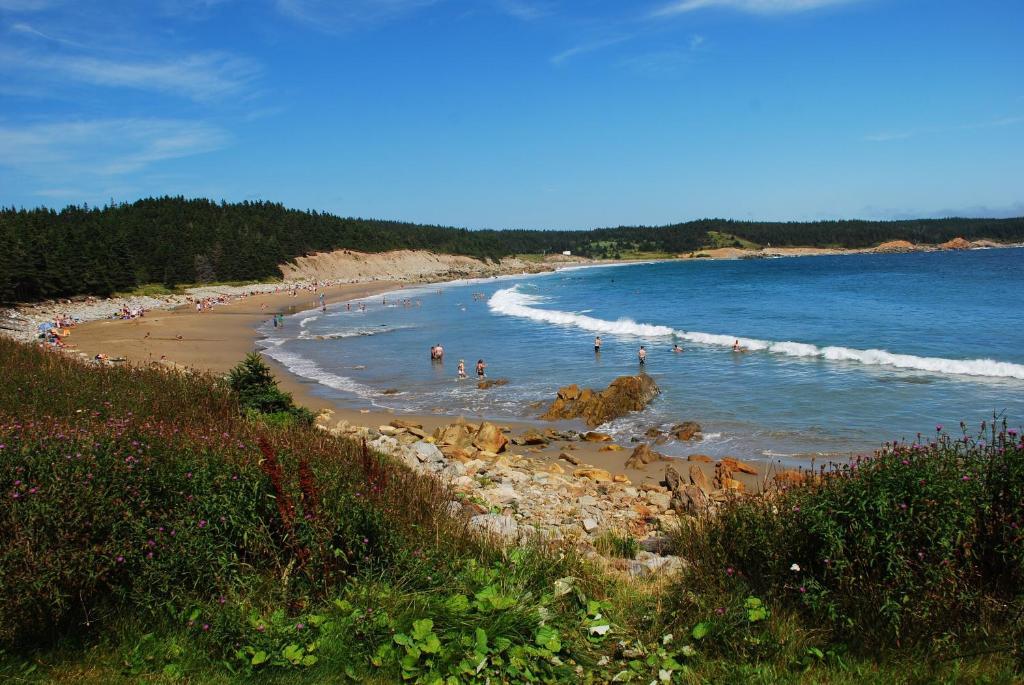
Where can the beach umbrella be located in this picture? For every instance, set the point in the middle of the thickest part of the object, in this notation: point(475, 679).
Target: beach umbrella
point(45, 326)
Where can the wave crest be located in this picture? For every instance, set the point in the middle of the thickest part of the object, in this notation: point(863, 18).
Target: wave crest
point(512, 302)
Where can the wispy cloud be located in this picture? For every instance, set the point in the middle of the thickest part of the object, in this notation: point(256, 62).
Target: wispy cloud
point(333, 16)
point(69, 151)
point(752, 6)
point(32, 32)
point(205, 76)
point(585, 48)
point(520, 9)
point(887, 136)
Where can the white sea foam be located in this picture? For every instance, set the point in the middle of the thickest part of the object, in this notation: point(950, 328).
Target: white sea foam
point(302, 324)
point(351, 332)
point(512, 302)
point(307, 368)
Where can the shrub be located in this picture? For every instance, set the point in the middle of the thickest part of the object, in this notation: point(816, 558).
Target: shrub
point(258, 394)
point(917, 542)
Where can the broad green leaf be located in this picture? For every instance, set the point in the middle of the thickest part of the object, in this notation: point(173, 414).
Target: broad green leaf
point(481, 641)
point(308, 660)
point(701, 630)
point(422, 628)
point(259, 658)
point(457, 604)
point(547, 637)
point(431, 645)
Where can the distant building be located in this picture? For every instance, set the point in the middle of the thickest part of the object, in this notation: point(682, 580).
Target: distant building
point(567, 253)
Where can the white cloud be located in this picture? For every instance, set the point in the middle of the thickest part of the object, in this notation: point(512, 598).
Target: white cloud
point(584, 48)
point(341, 15)
point(70, 151)
point(886, 136)
point(205, 76)
point(752, 6)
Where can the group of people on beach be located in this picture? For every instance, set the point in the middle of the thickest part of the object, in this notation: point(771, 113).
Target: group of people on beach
point(437, 355)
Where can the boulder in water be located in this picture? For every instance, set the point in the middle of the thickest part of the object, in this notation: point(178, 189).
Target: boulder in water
point(624, 395)
point(687, 430)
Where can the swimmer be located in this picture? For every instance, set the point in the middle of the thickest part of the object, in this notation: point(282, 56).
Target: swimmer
point(597, 345)
point(462, 368)
point(676, 348)
point(642, 355)
point(480, 369)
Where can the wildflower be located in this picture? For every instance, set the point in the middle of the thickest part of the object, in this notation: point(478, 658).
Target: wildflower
point(966, 478)
point(729, 571)
point(206, 626)
point(795, 568)
point(149, 555)
point(120, 559)
point(903, 505)
point(221, 600)
point(260, 628)
point(299, 626)
point(188, 475)
point(905, 462)
point(720, 611)
point(202, 523)
point(803, 589)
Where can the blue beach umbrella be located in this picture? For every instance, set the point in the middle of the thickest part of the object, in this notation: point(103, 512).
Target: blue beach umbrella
point(45, 326)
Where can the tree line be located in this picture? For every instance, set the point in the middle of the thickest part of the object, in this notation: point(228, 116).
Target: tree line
point(83, 250)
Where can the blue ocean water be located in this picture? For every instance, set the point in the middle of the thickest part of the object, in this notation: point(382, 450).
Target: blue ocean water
point(843, 352)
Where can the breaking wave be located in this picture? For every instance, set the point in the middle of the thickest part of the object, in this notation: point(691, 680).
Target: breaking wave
point(512, 302)
point(307, 368)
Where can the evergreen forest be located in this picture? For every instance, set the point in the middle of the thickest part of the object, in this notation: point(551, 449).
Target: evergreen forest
point(82, 250)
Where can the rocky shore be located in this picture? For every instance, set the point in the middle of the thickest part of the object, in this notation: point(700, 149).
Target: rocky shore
point(504, 486)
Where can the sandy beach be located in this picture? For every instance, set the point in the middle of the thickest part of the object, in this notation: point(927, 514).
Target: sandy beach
point(216, 340)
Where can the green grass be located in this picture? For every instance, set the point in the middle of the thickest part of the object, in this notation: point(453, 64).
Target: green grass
point(297, 556)
point(717, 239)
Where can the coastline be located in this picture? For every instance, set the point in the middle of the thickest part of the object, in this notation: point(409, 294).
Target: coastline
point(216, 340)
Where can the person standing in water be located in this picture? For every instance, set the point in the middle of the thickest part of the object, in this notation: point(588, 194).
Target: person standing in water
point(462, 368)
point(323, 303)
point(480, 368)
point(642, 356)
point(597, 345)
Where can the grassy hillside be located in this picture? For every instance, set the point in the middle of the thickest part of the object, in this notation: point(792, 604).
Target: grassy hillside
point(152, 531)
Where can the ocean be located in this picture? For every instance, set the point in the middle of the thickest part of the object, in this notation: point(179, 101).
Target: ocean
point(842, 353)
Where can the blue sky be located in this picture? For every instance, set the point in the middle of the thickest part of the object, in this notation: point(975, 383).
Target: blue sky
point(520, 113)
